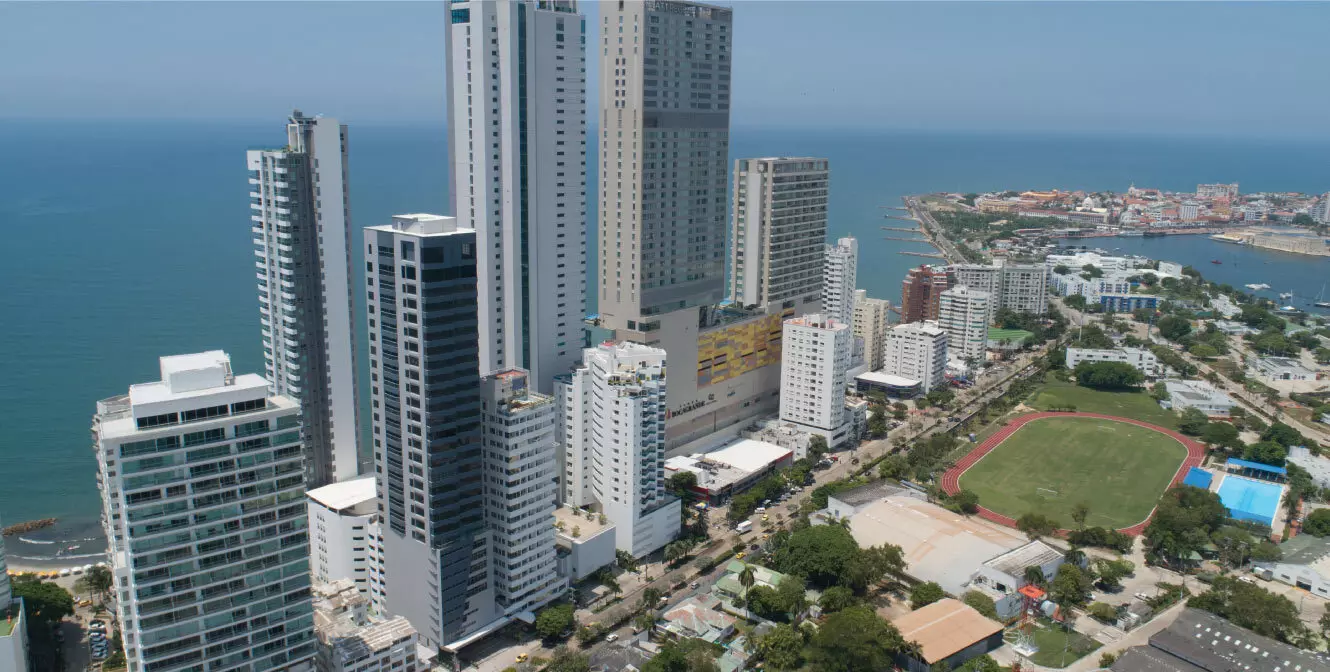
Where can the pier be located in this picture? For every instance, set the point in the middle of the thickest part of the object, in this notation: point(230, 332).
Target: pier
point(908, 240)
point(908, 219)
point(922, 254)
point(901, 228)
point(894, 207)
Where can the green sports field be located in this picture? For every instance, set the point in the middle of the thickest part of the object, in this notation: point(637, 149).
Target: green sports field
point(1050, 465)
point(1135, 405)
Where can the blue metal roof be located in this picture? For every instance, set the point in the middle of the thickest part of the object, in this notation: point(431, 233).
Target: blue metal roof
point(1198, 478)
point(1247, 464)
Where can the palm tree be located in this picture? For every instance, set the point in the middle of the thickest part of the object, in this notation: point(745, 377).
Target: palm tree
point(1034, 575)
point(746, 579)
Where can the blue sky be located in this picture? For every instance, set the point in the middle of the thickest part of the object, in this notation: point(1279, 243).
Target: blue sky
point(1252, 70)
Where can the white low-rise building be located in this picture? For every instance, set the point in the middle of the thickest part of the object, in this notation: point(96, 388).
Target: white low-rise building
point(1280, 368)
point(343, 520)
point(1198, 394)
point(1305, 564)
point(585, 540)
point(351, 640)
point(1141, 359)
point(731, 468)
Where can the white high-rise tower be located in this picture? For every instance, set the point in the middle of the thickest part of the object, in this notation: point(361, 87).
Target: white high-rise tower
point(203, 502)
point(963, 314)
point(839, 278)
point(615, 405)
point(302, 240)
point(517, 124)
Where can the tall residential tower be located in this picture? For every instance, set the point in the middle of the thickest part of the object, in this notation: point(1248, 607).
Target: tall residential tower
point(839, 278)
point(779, 225)
point(203, 503)
point(425, 386)
point(517, 124)
point(302, 241)
point(664, 144)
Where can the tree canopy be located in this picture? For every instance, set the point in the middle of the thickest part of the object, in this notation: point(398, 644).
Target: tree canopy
point(854, 640)
point(827, 555)
point(1317, 523)
point(555, 620)
point(1173, 328)
point(981, 603)
point(1182, 523)
point(782, 648)
point(1071, 587)
point(924, 594)
point(1108, 375)
point(1253, 607)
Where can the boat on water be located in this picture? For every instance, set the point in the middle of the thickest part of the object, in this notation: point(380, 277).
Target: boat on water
point(1216, 261)
point(1286, 295)
point(1257, 286)
point(1287, 310)
point(1130, 234)
point(1320, 301)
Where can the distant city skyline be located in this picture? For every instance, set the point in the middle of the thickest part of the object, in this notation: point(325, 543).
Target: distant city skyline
point(1159, 68)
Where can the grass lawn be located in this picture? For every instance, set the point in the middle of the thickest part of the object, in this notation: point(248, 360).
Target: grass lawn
point(1136, 405)
point(1059, 648)
point(1119, 470)
point(1016, 336)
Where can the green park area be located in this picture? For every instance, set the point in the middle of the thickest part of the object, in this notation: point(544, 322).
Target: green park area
point(1060, 647)
point(1137, 405)
point(1050, 466)
point(1013, 337)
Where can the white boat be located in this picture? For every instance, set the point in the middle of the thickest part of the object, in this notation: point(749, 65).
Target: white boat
point(1285, 295)
point(1256, 287)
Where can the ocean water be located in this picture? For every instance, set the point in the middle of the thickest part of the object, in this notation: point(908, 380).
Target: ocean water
point(130, 240)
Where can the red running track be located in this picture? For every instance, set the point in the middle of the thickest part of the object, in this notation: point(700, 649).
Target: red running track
point(951, 479)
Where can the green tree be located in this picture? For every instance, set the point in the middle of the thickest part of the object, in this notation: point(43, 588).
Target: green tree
point(1266, 452)
point(1034, 576)
point(625, 560)
point(984, 663)
point(555, 620)
point(837, 598)
point(924, 594)
point(1111, 572)
point(676, 551)
point(782, 648)
point(1061, 269)
point(650, 596)
point(877, 423)
point(46, 604)
point(645, 621)
point(1252, 607)
point(1325, 624)
point(1182, 524)
point(825, 554)
point(1173, 328)
point(746, 579)
point(1317, 523)
point(1079, 512)
point(1159, 392)
point(854, 640)
point(981, 603)
point(1107, 659)
point(1221, 434)
point(1108, 375)
point(1036, 525)
point(1071, 587)
point(687, 655)
point(564, 660)
point(1283, 435)
point(817, 446)
point(1192, 421)
point(681, 483)
point(1103, 612)
point(790, 591)
point(894, 467)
